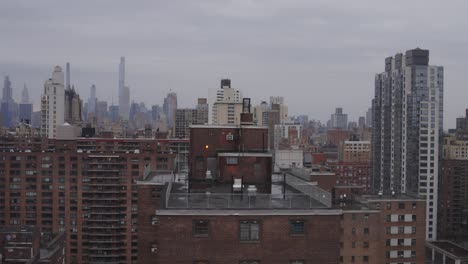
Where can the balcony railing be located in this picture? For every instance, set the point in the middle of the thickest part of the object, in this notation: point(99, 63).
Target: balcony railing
point(241, 201)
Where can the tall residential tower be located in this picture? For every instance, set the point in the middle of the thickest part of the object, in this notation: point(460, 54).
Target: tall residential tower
point(124, 91)
point(53, 104)
point(407, 127)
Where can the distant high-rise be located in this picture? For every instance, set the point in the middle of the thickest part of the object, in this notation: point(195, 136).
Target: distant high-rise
point(101, 111)
point(92, 100)
point(338, 119)
point(25, 107)
point(53, 104)
point(114, 113)
point(67, 70)
point(73, 107)
point(8, 106)
point(7, 90)
point(25, 95)
point(202, 111)
point(283, 109)
point(169, 108)
point(369, 117)
point(228, 105)
point(124, 92)
point(407, 129)
point(362, 122)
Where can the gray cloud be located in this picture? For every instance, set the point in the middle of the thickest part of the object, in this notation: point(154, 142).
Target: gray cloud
point(318, 54)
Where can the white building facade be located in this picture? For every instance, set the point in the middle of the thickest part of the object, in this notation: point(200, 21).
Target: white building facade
point(53, 103)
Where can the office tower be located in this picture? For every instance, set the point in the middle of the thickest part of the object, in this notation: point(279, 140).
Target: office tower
point(101, 111)
point(53, 104)
point(202, 111)
point(369, 117)
point(92, 100)
point(260, 113)
point(114, 113)
point(8, 106)
point(169, 108)
point(183, 120)
point(338, 119)
point(7, 90)
point(25, 107)
point(25, 95)
point(73, 107)
point(155, 112)
point(407, 124)
point(67, 76)
point(361, 122)
point(283, 109)
point(124, 91)
point(228, 105)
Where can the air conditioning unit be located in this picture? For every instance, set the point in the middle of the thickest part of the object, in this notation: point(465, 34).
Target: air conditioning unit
point(155, 220)
point(230, 137)
point(154, 249)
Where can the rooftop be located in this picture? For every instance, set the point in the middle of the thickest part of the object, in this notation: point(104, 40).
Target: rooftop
point(221, 196)
point(450, 248)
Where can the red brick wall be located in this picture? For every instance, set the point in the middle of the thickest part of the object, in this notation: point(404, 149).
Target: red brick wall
point(319, 245)
point(245, 169)
point(208, 142)
point(336, 136)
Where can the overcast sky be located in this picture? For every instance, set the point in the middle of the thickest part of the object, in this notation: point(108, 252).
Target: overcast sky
point(318, 54)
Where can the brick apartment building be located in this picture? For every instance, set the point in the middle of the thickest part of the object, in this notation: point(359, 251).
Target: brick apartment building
point(453, 202)
point(202, 220)
point(24, 245)
point(84, 188)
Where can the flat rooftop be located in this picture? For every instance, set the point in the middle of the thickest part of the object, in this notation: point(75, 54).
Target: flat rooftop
point(450, 248)
point(220, 196)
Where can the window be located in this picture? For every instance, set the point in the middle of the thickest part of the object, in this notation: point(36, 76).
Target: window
point(353, 244)
point(353, 231)
point(297, 262)
point(231, 161)
point(365, 258)
point(401, 205)
point(249, 262)
point(366, 231)
point(249, 230)
point(201, 262)
point(297, 227)
point(365, 244)
point(201, 228)
point(389, 205)
point(353, 259)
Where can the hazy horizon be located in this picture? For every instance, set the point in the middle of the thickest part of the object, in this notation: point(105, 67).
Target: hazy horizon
point(318, 55)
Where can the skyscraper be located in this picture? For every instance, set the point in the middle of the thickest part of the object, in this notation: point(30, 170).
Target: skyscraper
point(92, 100)
point(124, 91)
point(73, 107)
point(169, 108)
point(67, 84)
point(8, 108)
point(338, 119)
point(53, 104)
point(202, 111)
point(25, 107)
point(228, 105)
point(407, 124)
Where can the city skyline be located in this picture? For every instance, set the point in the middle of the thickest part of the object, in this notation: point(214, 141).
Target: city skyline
point(343, 61)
